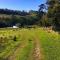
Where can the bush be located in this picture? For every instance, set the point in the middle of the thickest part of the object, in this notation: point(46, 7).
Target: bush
point(14, 38)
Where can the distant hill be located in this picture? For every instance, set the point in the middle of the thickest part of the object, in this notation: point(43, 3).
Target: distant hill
point(13, 12)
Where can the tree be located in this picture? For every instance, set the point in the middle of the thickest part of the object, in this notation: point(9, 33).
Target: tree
point(41, 14)
point(54, 12)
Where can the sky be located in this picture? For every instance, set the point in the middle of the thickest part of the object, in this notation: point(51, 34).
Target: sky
point(21, 4)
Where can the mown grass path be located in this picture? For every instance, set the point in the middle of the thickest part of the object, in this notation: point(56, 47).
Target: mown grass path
point(34, 54)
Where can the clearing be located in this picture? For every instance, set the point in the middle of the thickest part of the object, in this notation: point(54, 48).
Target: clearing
point(29, 44)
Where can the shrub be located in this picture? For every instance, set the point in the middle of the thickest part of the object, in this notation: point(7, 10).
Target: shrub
point(14, 38)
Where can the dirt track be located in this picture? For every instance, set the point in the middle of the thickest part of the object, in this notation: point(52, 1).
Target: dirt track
point(37, 55)
point(36, 52)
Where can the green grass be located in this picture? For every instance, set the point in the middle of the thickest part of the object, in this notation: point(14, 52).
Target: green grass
point(49, 42)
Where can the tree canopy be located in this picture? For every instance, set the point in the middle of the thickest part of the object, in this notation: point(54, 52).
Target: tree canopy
point(47, 15)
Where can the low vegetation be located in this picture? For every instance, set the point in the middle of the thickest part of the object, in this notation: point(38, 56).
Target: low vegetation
point(18, 44)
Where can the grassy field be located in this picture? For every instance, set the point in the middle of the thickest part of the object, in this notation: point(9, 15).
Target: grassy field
point(29, 44)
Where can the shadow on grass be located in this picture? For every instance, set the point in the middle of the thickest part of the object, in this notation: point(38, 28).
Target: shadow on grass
point(1, 58)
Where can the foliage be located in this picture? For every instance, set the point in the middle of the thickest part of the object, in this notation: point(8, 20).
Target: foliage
point(54, 12)
point(47, 15)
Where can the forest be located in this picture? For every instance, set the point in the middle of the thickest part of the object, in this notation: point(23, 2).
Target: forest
point(48, 15)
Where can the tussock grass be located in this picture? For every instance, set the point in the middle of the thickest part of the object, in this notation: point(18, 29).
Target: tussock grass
point(23, 41)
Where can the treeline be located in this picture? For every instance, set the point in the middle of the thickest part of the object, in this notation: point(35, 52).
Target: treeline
point(20, 21)
point(48, 15)
point(9, 18)
point(13, 12)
